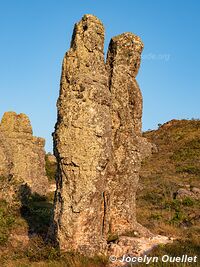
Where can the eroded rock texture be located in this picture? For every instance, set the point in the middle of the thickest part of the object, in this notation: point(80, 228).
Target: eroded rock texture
point(82, 141)
point(22, 156)
point(97, 140)
point(123, 61)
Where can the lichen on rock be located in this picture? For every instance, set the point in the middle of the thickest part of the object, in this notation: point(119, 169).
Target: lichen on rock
point(97, 140)
point(22, 155)
point(123, 61)
point(82, 141)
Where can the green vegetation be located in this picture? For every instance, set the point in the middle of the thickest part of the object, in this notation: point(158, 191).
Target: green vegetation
point(7, 219)
point(176, 165)
point(37, 211)
point(189, 151)
point(177, 249)
point(50, 169)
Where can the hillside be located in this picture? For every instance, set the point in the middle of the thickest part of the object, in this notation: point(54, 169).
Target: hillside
point(169, 191)
point(161, 205)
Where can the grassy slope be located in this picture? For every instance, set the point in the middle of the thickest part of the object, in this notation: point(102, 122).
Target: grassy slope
point(176, 164)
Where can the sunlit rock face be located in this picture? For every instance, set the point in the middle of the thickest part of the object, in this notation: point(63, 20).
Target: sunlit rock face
point(22, 155)
point(82, 140)
point(97, 140)
point(128, 147)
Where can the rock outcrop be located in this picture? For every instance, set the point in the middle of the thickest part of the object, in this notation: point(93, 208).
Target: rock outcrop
point(22, 156)
point(191, 193)
point(97, 140)
point(82, 140)
point(123, 61)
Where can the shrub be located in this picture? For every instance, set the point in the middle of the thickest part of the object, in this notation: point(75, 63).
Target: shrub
point(188, 202)
point(188, 169)
point(7, 220)
point(50, 169)
point(190, 151)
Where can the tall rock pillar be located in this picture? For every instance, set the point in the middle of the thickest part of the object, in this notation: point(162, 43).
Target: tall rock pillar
point(123, 62)
point(97, 140)
point(82, 141)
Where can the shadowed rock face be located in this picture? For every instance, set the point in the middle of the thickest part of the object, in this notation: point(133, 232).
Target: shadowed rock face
point(22, 156)
point(97, 140)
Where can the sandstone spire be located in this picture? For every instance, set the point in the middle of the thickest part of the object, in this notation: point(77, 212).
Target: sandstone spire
point(123, 61)
point(97, 140)
point(82, 141)
point(22, 156)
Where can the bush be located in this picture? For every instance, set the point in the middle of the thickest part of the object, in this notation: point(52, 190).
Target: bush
point(7, 220)
point(37, 211)
point(188, 169)
point(188, 202)
point(50, 169)
point(190, 151)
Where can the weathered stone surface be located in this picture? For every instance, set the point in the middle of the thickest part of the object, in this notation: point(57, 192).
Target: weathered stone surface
point(82, 141)
point(123, 61)
point(134, 247)
point(22, 156)
point(51, 158)
point(193, 193)
point(128, 147)
point(97, 140)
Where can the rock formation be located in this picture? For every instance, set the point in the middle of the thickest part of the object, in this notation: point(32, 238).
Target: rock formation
point(22, 156)
point(82, 140)
point(51, 158)
point(97, 140)
point(123, 62)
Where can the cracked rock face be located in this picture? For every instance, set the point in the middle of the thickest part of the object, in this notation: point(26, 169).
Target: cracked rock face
point(123, 61)
point(97, 140)
point(22, 156)
point(82, 141)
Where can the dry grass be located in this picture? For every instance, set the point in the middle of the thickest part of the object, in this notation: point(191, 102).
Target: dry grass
point(176, 164)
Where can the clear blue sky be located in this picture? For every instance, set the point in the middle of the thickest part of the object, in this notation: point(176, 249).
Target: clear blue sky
point(35, 34)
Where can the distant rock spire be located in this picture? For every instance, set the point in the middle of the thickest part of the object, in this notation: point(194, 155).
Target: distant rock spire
point(22, 156)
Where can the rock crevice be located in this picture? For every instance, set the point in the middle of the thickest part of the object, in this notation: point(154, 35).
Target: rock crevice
point(97, 140)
